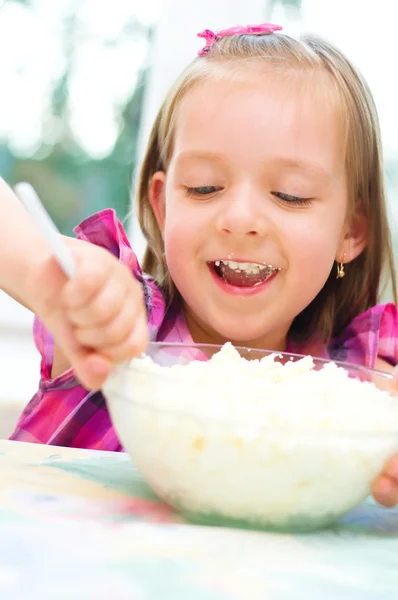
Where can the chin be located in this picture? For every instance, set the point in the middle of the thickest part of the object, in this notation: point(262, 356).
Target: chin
point(240, 335)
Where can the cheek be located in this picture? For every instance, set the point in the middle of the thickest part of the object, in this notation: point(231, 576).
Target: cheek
point(186, 225)
point(322, 226)
point(313, 244)
point(182, 234)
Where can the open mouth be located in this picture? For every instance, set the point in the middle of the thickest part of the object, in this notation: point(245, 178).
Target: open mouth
point(242, 274)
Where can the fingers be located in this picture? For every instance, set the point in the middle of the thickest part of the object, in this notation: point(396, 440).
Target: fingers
point(95, 302)
point(133, 346)
point(385, 491)
point(385, 488)
point(115, 330)
point(122, 338)
point(108, 312)
point(90, 367)
point(96, 270)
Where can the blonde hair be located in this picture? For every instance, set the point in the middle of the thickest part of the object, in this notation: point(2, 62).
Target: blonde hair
point(339, 301)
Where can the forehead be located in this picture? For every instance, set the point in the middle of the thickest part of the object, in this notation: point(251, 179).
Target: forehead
point(260, 116)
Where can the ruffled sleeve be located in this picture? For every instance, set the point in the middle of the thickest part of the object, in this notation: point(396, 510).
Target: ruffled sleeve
point(371, 335)
point(105, 230)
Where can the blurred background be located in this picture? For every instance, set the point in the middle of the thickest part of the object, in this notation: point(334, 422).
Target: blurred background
point(81, 81)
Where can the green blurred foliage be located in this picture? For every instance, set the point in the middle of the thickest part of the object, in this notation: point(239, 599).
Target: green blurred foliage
point(72, 184)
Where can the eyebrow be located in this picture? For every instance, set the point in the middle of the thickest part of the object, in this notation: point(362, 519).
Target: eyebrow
point(199, 155)
point(278, 162)
point(303, 165)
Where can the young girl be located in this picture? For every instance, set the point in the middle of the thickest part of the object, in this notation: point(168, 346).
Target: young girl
point(261, 197)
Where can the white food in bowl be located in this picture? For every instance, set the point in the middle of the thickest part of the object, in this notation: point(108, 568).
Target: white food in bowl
point(255, 442)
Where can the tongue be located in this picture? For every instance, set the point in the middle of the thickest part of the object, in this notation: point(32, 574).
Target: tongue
point(243, 279)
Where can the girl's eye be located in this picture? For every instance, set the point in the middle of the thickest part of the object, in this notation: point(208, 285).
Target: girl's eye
point(292, 199)
point(204, 190)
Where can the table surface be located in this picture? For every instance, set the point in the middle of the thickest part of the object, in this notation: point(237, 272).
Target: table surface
point(83, 524)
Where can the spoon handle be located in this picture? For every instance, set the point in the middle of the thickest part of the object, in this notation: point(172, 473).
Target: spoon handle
point(31, 201)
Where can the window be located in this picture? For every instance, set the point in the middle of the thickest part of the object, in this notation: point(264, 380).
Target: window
point(71, 101)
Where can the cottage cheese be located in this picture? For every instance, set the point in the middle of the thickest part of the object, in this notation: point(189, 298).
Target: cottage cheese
point(271, 444)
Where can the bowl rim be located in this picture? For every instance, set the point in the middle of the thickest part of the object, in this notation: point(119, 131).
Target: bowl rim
point(318, 360)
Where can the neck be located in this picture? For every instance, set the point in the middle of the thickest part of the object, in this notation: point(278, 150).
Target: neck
point(203, 334)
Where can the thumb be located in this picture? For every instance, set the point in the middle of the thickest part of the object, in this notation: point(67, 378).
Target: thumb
point(90, 368)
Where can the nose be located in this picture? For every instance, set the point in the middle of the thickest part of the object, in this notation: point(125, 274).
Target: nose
point(243, 212)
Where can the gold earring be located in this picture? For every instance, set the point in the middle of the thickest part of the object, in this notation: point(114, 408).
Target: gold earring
point(340, 269)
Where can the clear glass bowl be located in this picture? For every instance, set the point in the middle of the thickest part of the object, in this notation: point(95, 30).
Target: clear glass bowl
point(235, 465)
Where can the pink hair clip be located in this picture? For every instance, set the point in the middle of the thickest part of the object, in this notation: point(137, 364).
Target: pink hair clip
point(211, 36)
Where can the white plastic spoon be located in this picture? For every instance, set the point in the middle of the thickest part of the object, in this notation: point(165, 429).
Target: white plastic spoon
point(31, 201)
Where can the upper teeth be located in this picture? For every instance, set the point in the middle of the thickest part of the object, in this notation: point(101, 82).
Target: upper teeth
point(247, 267)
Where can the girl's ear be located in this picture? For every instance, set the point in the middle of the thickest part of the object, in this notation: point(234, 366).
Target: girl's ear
point(157, 198)
point(355, 239)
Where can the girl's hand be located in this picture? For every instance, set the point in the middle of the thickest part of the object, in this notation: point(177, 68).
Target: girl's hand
point(96, 318)
point(385, 488)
